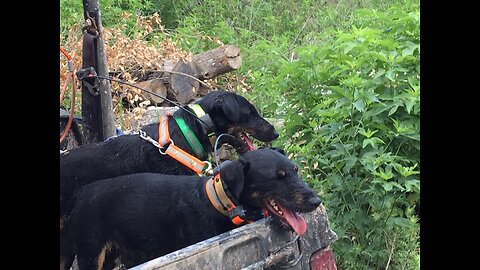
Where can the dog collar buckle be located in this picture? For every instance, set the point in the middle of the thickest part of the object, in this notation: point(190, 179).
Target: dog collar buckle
point(220, 200)
point(237, 215)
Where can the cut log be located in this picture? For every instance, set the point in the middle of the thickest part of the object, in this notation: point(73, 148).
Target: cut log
point(156, 86)
point(217, 61)
point(184, 87)
point(203, 66)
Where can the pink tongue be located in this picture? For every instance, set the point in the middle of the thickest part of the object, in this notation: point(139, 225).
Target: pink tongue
point(295, 220)
point(249, 142)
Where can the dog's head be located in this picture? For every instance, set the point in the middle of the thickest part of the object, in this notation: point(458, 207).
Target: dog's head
point(266, 178)
point(233, 114)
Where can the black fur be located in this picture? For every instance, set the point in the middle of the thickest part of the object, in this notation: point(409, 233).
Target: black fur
point(150, 215)
point(130, 154)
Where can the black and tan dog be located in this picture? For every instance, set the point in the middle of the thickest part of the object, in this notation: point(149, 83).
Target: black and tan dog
point(128, 154)
point(154, 214)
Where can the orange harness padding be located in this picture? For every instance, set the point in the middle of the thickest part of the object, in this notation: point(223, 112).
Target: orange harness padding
point(177, 153)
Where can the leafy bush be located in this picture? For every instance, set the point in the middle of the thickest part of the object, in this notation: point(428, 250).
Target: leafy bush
point(352, 118)
point(346, 82)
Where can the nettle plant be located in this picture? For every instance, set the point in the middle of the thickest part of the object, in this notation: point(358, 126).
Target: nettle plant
point(353, 120)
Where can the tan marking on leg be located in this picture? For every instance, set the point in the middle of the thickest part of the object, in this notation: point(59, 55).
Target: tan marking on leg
point(62, 263)
point(62, 222)
point(101, 257)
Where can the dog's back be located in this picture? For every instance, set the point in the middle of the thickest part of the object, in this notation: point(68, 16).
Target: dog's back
point(92, 162)
point(145, 213)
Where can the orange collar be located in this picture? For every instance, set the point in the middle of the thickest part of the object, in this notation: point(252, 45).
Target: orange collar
point(221, 201)
point(193, 163)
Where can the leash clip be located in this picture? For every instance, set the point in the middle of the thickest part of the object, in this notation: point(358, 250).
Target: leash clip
point(208, 170)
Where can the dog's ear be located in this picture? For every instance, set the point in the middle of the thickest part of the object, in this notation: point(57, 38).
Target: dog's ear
point(228, 104)
point(233, 174)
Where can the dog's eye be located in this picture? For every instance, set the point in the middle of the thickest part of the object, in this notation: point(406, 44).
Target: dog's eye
point(282, 173)
point(295, 168)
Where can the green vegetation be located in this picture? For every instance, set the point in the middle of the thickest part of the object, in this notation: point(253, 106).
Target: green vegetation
point(344, 76)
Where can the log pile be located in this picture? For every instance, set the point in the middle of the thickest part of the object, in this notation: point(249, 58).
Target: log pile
point(183, 81)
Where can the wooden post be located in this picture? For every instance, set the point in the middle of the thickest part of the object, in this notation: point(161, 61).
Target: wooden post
point(91, 116)
point(97, 110)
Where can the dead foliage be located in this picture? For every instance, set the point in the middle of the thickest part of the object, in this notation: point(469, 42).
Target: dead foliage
point(131, 59)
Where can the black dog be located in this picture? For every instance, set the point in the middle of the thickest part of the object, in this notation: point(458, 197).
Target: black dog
point(128, 154)
point(154, 214)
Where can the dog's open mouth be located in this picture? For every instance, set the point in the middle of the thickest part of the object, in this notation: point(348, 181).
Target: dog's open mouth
point(292, 218)
point(246, 140)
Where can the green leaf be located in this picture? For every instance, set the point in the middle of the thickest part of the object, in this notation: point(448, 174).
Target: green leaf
point(367, 142)
point(348, 46)
point(389, 44)
point(271, 107)
point(380, 56)
point(409, 103)
point(390, 75)
point(385, 175)
point(398, 221)
point(376, 109)
point(367, 133)
point(406, 171)
point(295, 120)
point(341, 102)
point(350, 162)
point(397, 185)
point(339, 90)
point(373, 142)
point(412, 185)
point(387, 186)
point(415, 85)
point(359, 105)
point(393, 110)
point(371, 96)
point(411, 47)
point(413, 136)
point(379, 73)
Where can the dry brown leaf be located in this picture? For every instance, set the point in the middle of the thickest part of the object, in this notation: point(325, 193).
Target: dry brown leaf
point(130, 59)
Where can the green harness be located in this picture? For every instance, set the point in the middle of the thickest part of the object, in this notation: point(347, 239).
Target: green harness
point(192, 139)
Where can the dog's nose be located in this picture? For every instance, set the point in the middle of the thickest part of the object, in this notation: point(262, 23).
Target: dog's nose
point(275, 134)
point(314, 201)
